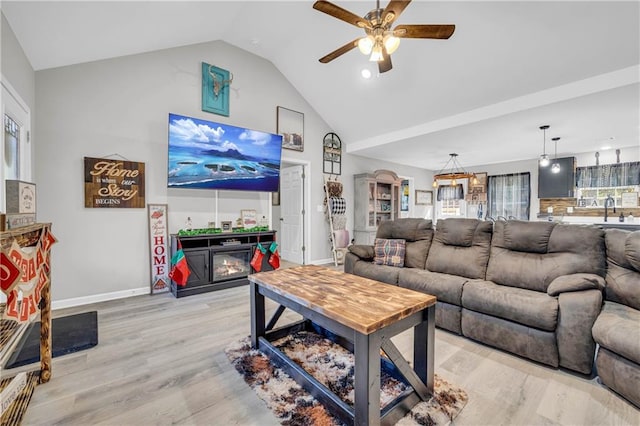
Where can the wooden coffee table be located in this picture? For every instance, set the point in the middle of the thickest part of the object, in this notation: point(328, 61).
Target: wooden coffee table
point(365, 314)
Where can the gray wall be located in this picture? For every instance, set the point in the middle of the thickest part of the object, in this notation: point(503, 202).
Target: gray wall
point(120, 106)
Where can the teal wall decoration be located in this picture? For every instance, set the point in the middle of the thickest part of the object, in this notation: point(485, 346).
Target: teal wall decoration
point(215, 89)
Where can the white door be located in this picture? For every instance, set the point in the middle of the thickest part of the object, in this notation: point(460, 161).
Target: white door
point(291, 214)
point(15, 149)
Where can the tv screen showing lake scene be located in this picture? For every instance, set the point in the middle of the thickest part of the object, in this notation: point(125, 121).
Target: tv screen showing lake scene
point(208, 155)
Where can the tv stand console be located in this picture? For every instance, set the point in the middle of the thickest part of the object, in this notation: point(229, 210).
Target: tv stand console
point(219, 261)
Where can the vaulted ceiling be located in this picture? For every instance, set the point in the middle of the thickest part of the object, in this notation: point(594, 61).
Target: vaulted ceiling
point(510, 67)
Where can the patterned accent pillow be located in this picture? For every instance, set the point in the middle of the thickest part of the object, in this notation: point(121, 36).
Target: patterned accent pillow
point(389, 252)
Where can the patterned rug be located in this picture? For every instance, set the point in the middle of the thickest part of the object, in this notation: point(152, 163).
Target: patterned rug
point(332, 365)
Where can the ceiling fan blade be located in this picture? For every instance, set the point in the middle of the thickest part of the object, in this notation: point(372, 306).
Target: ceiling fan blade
point(385, 64)
point(424, 31)
point(393, 10)
point(339, 51)
point(340, 13)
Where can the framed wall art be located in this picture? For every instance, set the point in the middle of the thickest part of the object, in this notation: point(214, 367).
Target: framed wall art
point(249, 218)
point(424, 198)
point(215, 89)
point(290, 125)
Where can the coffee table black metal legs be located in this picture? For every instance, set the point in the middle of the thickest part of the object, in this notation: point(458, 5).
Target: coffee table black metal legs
point(366, 349)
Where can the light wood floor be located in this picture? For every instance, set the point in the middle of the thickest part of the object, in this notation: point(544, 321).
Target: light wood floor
point(161, 360)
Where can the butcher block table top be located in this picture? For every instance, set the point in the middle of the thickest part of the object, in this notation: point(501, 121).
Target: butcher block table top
point(360, 303)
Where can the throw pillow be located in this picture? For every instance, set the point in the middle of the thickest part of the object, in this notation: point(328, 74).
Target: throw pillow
point(389, 252)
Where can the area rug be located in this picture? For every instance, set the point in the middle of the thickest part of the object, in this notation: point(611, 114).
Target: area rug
point(68, 334)
point(332, 365)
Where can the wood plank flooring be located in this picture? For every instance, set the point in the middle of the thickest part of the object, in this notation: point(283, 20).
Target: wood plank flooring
point(161, 360)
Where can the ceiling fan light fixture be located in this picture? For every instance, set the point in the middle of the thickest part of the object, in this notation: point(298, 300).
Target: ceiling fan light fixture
point(376, 53)
point(365, 44)
point(391, 43)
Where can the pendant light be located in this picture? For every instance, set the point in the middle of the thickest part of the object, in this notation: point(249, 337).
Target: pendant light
point(455, 171)
point(544, 158)
point(555, 168)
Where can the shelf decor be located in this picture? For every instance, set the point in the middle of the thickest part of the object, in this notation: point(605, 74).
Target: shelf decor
point(159, 247)
point(290, 125)
point(249, 218)
point(215, 89)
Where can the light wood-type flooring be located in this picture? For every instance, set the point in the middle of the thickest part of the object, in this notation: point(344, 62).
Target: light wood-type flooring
point(161, 360)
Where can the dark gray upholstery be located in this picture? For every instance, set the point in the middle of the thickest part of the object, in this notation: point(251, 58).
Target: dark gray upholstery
point(531, 288)
point(528, 342)
point(623, 280)
point(619, 374)
point(570, 249)
point(447, 289)
point(382, 273)
point(617, 328)
point(530, 308)
point(461, 247)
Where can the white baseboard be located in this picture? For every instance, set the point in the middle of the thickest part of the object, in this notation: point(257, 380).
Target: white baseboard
point(95, 298)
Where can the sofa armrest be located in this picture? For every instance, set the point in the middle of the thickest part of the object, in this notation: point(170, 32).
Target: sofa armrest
point(577, 312)
point(575, 282)
point(364, 252)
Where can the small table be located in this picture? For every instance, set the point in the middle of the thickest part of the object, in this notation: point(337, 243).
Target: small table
point(366, 314)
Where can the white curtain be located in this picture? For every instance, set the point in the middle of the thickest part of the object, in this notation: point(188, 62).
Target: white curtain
point(608, 175)
point(509, 196)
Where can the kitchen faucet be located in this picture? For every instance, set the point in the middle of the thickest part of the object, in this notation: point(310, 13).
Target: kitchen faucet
point(606, 204)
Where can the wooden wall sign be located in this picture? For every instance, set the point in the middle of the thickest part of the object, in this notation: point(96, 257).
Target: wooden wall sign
point(112, 183)
point(159, 247)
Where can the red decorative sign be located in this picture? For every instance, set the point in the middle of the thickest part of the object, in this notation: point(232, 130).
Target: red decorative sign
point(9, 273)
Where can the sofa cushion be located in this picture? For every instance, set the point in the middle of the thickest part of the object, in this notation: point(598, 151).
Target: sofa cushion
point(530, 308)
point(364, 252)
point(389, 252)
point(571, 249)
point(456, 232)
point(632, 249)
point(531, 237)
point(465, 261)
point(415, 255)
point(618, 329)
point(446, 288)
point(382, 273)
point(623, 282)
point(408, 229)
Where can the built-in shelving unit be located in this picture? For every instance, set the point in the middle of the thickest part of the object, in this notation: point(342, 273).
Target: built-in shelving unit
point(377, 198)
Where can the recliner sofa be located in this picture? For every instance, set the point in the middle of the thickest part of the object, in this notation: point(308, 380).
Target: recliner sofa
point(617, 329)
point(531, 288)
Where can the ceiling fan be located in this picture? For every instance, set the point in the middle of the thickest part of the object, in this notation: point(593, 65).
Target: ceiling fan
point(381, 41)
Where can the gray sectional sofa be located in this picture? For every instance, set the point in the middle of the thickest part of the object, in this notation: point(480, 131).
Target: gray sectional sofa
point(617, 329)
point(531, 288)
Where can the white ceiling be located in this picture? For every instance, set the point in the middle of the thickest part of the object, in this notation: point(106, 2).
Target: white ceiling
point(510, 67)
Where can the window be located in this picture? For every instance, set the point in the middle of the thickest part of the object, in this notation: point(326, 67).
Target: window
point(509, 196)
point(451, 201)
point(597, 183)
point(11, 148)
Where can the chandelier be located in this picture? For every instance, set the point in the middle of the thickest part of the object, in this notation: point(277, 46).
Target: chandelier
point(452, 171)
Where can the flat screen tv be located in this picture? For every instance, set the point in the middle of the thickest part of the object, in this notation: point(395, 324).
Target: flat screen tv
point(208, 155)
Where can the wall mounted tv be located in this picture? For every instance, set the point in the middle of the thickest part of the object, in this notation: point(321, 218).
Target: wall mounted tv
point(208, 155)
